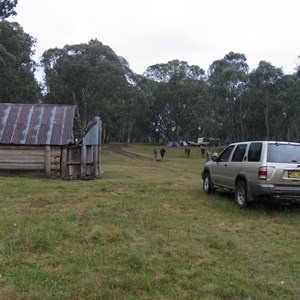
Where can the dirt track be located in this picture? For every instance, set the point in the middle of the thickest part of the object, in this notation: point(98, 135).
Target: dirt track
point(118, 150)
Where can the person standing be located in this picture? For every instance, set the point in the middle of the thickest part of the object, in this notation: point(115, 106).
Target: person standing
point(208, 154)
point(155, 153)
point(203, 151)
point(162, 153)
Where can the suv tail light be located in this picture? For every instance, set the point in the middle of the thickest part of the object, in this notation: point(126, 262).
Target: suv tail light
point(262, 173)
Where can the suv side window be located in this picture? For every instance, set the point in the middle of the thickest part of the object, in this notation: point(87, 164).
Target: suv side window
point(239, 152)
point(254, 152)
point(224, 156)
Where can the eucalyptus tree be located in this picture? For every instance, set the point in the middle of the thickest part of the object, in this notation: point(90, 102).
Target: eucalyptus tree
point(17, 80)
point(286, 123)
point(227, 79)
point(187, 113)
point(298, 68)
point(7, 8)
point(265, 103)
point(290, 92)
point(154, 92)
point(165, 72)
point(177, 87)
point(94, 78)
point(134, 113)
point(145, 90)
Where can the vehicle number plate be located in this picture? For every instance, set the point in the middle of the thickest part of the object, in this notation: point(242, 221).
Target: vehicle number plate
point(294, 174)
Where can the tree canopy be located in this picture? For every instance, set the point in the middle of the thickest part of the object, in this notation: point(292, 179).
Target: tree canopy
point(18, 83)
point(7, 8)
point(91, 76)
point(169, 101)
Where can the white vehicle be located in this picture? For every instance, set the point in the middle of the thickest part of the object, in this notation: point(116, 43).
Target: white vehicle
point(201, 141)
point(254, 170)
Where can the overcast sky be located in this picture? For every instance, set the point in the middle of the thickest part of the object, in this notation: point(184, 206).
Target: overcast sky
point(147, 32)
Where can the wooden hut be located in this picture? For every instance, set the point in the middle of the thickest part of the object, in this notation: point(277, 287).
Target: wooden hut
point(82, 160)
point(36, 139)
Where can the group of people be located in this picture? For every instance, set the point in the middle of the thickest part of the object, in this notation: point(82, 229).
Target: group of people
point(162, 153)
point(206, 153)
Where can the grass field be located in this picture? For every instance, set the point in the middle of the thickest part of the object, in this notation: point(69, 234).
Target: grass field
point(143, 230)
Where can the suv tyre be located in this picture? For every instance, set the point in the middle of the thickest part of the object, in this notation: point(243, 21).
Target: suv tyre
point(207, 184)
point(241, 197)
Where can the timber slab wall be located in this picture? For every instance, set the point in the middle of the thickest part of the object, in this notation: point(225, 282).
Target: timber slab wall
point(68, 162)
point(45, 160)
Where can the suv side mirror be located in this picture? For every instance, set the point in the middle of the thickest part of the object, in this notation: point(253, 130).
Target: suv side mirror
point(214, 158)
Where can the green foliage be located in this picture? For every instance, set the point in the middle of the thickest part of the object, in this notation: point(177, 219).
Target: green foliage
point(143, 230)
point(175, 110)
point(17, 79)
point(7, 8)
point(173, 70)
point(172, 101)
point(263, 89)
point(290, 95)
point(227, 80)
point(94, 78)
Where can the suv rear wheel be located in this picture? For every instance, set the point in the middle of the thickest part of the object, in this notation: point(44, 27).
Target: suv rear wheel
point(241, 197)
point(207, 184)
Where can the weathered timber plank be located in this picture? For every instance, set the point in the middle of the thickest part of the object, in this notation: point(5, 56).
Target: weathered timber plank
point(22, 167)
point(22, 161)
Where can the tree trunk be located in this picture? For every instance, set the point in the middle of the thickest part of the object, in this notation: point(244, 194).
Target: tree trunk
point(266, 113)
point(130, 127)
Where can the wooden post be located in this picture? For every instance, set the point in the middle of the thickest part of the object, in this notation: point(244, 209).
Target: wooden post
point(63, 167)
point(99, 148)
point(95, 160)
point(83, 162)
point(48, 161)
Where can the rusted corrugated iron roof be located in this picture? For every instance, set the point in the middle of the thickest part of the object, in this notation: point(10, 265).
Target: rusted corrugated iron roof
point(36, 124)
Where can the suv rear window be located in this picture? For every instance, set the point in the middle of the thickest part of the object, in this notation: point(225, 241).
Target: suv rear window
point(283, 153)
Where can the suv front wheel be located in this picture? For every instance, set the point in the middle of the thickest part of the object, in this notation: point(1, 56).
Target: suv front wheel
point(241, 197)
point(207, 184)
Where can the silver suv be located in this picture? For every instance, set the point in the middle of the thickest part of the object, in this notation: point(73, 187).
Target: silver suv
point(254, 170)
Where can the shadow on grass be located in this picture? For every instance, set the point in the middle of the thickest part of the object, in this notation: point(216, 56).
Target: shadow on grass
point(266, 205)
